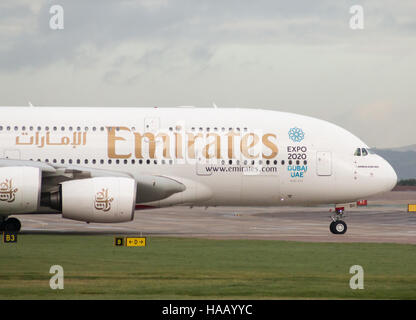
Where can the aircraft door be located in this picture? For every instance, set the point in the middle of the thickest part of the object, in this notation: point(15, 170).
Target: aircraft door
point(324, 163)
point(202, 160)
point(260, 180)
point(202, 164)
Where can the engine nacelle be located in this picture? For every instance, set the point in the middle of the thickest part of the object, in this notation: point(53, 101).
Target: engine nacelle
point(101, 199)
point(20, 189)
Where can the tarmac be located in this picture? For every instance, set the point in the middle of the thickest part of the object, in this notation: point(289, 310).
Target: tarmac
point(385, 219)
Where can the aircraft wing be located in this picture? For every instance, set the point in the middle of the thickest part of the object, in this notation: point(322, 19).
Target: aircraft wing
point(149, 187)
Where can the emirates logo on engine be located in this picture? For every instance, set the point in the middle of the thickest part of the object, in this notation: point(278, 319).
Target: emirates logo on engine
point(103, 200)
point(7, 192)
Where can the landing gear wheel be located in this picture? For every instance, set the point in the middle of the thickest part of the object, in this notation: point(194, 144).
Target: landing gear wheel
point(338, 227)
point(12, 225)
point(331, 227)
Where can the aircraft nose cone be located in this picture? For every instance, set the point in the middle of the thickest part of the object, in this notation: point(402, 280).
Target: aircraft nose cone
point(392, 177)
point(389, 177)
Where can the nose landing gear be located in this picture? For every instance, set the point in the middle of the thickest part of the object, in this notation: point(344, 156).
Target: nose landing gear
point(338, 226)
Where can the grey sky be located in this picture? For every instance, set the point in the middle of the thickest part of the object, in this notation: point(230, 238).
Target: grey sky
point(297, 56)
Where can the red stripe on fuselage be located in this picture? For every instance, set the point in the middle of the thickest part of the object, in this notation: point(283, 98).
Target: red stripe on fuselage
point(143, 207)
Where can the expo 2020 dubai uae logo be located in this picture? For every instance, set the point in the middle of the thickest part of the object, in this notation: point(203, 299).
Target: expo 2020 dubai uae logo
point(296, 134)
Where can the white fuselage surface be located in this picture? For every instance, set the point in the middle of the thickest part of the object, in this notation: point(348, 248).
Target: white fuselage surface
point(223, 157)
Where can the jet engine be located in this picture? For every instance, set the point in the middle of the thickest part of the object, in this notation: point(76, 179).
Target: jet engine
point(100, 199)
point(20, 189)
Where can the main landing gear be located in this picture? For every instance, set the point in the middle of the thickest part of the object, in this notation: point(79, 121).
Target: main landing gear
point(10, 225)
point(338, 226)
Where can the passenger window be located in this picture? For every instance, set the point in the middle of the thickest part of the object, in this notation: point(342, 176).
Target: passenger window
point(357, 152)
point(364, 152)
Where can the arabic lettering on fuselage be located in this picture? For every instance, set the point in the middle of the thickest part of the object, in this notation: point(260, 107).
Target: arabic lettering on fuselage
point(41, 140)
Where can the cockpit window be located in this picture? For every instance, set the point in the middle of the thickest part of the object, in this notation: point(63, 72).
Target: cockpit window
point(362, 152)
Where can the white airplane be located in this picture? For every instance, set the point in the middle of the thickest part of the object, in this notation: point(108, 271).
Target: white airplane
point(100, 164)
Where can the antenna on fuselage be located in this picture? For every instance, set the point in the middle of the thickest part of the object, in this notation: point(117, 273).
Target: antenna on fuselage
point(30, 104)
point(214, 105)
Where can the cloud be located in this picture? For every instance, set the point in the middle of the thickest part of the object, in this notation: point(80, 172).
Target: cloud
point(297, 56)
point(380, 123)
point(110, 23)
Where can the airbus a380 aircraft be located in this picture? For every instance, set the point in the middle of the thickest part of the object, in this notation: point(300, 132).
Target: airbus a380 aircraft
point(100, 164)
